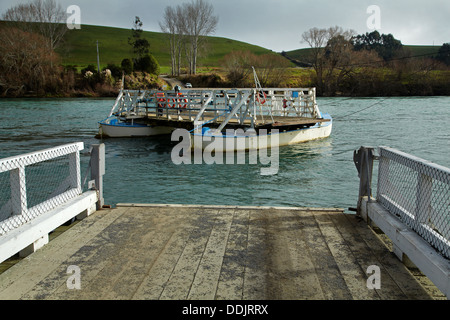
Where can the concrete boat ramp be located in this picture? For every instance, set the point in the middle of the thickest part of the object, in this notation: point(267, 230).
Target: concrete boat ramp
point(178, 252)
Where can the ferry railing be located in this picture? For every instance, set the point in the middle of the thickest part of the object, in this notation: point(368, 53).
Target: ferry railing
point(412, 207)
point(293, 102)
point(211, 103)
point(42, 190)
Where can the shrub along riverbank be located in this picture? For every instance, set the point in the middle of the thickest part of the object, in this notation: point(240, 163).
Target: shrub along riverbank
point(365, 82)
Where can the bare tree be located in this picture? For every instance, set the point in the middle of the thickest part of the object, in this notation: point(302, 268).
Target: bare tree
point(316, 39)
point(238, 65)
point(21, 17)
point(181, 21)
point(330, 49)
point(51, 21)
point(187, 26)
point(271, 69)
point(45, 17)
point(199, 23)
point(26, 63)
point(173, 26)
point(168, 26)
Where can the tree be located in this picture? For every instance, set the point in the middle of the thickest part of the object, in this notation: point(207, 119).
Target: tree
point(200, 22)
point(444, 54)
point(173, 26)
point(45, 17)
point(140, 45)
point(271, 69)
point(127, 66)
point(329, 51)
point(238, 65)
point(188, 24)
point(26, 62)
point(116, 71)
point(143, 60)
point(385, 44)
point(148, 64)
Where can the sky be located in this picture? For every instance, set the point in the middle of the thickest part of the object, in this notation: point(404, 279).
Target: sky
point(279, 24)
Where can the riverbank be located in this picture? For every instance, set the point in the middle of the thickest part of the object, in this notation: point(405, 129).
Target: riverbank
point(97, 86)
point(365, 83)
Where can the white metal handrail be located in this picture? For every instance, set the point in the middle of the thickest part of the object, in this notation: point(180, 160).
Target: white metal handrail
point(412, 208)
point(16, 211)
point(418, 193)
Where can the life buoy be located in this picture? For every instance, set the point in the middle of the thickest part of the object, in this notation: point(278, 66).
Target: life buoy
point(287, 103)
point(180, 100)
point(160, 100)
point(260, 99)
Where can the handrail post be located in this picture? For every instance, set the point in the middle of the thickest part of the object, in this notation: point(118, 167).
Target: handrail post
point(363, 159)
point(98, 170)
point(18, 191)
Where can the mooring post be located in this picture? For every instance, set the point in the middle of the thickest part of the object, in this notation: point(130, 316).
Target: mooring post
point(98, 170)
point(363, 159)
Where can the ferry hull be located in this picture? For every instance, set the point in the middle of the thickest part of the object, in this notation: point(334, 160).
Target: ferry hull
point(252, 142)
point(127, 130)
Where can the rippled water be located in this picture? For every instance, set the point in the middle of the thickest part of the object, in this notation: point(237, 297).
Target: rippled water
point(317, 173)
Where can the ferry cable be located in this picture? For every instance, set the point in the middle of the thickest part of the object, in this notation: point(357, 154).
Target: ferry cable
point(352, 113)
point(332, 103)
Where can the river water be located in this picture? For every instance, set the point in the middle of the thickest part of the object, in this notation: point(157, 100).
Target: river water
point(313, 174)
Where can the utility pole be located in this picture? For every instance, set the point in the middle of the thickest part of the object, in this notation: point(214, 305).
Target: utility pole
point(98, 60)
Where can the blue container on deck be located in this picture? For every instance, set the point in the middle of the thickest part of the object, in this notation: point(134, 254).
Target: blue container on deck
point(204, 129)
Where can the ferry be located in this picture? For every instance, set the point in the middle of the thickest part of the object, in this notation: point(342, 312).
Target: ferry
point(240, 119)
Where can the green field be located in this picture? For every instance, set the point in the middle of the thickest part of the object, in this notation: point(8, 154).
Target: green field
point(425, 51)
point(80, 49)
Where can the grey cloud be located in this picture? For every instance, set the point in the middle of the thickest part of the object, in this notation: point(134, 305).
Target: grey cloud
point(278, 24)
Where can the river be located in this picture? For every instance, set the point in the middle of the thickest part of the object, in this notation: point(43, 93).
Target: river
point(313, 174)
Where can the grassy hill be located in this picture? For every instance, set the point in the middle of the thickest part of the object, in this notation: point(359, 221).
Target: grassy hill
point(80, 49)
point(425, 51)
point(416, 51)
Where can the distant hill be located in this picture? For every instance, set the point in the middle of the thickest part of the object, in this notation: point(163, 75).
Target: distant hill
point(416, 51)
point(80, 49)
point(425, 51)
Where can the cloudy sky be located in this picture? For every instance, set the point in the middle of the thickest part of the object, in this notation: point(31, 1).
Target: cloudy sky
point(278, 24)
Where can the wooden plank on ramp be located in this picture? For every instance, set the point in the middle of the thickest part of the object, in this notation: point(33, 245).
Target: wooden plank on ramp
point(173, 252)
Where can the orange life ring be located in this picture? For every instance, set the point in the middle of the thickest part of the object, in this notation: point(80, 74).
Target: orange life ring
point(171, 105)
point(160, 100)
point(180, 100)
point(258, 97)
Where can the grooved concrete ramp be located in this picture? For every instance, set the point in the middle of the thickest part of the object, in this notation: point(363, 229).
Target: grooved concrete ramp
point(180, 252)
